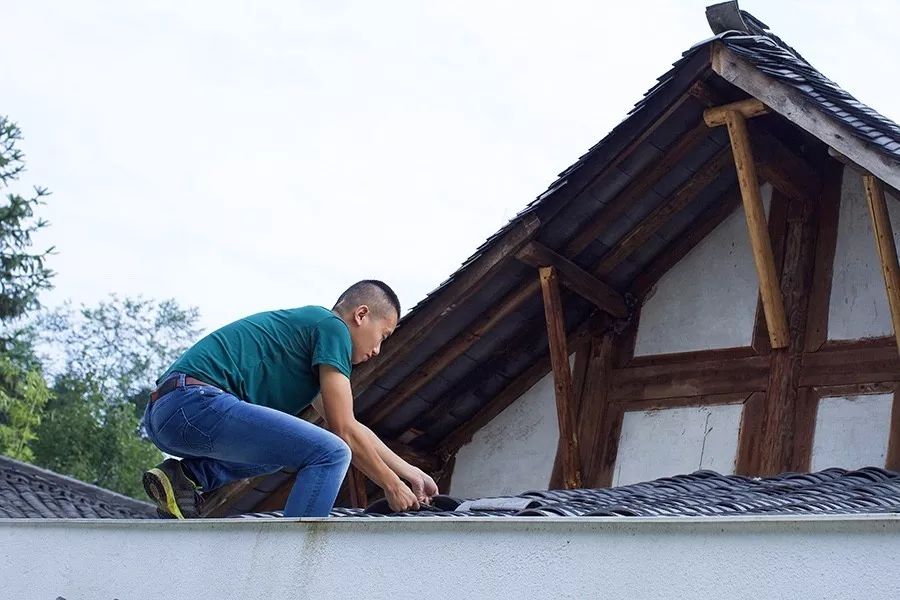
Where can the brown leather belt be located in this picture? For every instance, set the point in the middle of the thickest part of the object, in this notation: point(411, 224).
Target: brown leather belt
point(170, 384)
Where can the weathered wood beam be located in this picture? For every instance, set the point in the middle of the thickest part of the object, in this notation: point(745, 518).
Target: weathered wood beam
point(887, 250)
point(759, 234)
point(521, 384)
point(749, 108)
point(750, 435)
point(356, 482)
point(221, 500)
point(693, 378)
point(593, 406)
point(794, 106)
point(575, 278)
point(562, 378)
point(849, 163)
point(875, 360)
point(678, 201)
point(679, 248)
point(419, 324)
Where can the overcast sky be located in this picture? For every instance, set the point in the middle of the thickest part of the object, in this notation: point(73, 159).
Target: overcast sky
point(242, 156)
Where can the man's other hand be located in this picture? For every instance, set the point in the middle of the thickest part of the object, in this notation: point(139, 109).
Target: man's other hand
point(422, 485)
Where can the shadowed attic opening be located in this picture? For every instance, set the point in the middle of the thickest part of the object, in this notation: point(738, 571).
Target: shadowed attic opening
point(629, 219)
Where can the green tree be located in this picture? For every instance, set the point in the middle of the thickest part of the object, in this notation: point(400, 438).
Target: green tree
point(84, 436)
point(23, 272)
point(23, 275)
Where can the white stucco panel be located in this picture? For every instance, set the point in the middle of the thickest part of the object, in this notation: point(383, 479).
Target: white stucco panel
point(513, 453)
point(858, 307)
point(852, 432)
point(660, 443)
point(707, 300)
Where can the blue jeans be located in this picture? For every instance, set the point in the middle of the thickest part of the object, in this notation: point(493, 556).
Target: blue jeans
point(222, 439)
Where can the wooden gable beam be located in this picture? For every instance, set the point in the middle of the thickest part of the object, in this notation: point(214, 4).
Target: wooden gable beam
point(781, 167)
point(761, 244)
point(562, 378)
point(456, 347)
point(887, 250)
point(575, 278)
point(790, 103)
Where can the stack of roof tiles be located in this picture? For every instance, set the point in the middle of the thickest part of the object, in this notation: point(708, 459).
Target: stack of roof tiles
point(27, 491)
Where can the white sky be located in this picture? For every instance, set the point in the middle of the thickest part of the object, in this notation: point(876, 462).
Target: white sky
point(242, 156)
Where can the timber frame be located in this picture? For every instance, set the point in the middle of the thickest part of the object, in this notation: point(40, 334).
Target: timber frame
point(569, 273)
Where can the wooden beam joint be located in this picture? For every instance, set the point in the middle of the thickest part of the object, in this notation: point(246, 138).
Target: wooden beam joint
point(749, 108)
point(575, 278)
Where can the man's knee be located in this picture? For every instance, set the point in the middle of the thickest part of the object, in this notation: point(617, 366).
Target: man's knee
point(336, 451)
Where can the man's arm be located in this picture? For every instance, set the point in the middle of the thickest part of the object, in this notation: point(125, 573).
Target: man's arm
point(337, 406)
point(423, 486)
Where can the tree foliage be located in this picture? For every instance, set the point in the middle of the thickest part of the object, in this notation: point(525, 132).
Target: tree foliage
point(23, 272)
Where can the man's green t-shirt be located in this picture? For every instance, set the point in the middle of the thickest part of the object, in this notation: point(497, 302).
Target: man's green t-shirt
point(271, 358)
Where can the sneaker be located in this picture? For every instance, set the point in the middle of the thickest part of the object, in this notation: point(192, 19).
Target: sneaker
point(176, 496)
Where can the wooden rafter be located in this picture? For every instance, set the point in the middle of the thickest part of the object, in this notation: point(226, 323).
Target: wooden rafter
point(637, 188)
point(781, 167)
point(678, 201)
point(770, 291)
point(679, 247)
point(419, 325)
point(887, 250)
point(562, 378)
point(575, 278)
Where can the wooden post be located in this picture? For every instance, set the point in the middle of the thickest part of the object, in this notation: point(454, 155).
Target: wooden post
point(770, 291)
point(887, 251)
point(356, 482)
point(562, 378)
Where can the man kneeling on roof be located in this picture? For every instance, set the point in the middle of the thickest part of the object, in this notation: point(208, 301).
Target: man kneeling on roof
point(227, 408)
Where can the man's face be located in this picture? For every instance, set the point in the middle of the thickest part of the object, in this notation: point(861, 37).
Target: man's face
point(368, 331)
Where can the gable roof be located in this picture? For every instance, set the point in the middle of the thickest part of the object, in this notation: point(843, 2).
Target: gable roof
point(479, 339)
point(703, 493)
point(27, 491)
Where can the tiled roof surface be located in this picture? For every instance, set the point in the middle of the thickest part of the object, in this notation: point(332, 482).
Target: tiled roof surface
point(27, 491)
point(704, 493)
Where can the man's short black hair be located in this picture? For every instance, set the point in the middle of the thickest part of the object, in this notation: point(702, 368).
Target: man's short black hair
point(377, 295)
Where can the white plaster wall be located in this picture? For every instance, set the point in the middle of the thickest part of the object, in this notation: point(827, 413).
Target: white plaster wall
point(660, 443)
point(415, 559)
point(515, 451)
point(707, 300)
point(852, 432)
point(859, 307)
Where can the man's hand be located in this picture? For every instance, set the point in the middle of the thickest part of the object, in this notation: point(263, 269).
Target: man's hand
point(422, 485)
point(401, 498)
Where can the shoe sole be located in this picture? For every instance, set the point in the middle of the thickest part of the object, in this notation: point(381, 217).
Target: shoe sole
point(159, 487)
